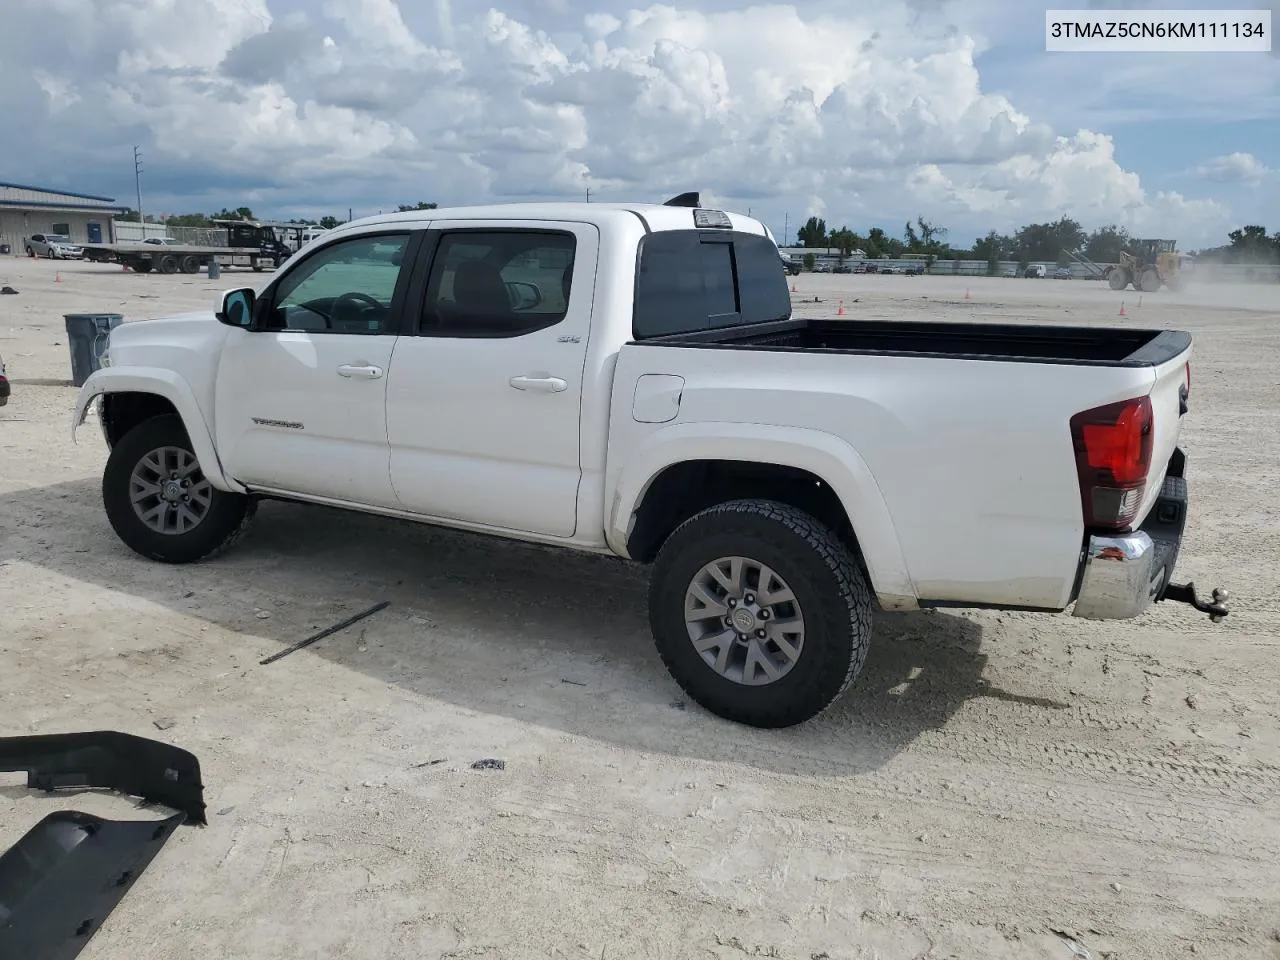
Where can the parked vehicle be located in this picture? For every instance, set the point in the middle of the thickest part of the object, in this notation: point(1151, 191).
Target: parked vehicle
point(5, 388)
point(1036, 271)
point(628, 379)
point(54, 246)
point(248, 244)
point(1062, 273)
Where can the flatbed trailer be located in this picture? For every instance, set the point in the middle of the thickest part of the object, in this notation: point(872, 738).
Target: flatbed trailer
point(245, 243)
point(180, 258)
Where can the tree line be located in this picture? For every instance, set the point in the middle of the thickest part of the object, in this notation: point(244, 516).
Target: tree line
point(1035, 242)
point(245, 213)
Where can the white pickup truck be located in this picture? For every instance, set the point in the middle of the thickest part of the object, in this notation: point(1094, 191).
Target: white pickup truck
point(629, 379)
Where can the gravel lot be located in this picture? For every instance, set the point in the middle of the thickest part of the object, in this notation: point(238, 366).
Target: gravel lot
point(990, 779)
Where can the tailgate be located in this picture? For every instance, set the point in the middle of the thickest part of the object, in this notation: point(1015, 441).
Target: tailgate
point(1168, 404)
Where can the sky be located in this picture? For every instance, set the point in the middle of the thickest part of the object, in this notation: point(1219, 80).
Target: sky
point(866, 114)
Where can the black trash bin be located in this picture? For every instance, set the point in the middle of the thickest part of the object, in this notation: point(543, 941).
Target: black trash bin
point(87, 340)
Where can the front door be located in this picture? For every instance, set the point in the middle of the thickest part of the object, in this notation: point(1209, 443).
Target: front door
point(483, 404)
point(94, 232)
point(301, 398)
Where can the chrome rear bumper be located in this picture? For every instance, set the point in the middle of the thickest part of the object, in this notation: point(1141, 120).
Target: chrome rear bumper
point(1123, 575)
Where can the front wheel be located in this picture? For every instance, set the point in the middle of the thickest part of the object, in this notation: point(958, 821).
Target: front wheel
point(759, 612)
point(160, 503)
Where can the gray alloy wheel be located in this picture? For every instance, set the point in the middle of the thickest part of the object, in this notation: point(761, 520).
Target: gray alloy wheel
point(744, 621)
point(168, 492)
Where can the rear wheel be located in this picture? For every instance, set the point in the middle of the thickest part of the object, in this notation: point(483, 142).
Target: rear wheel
point(1150, 281)
point(759, 612)
point(168, 263)
point(190, 264)
point(160, 503)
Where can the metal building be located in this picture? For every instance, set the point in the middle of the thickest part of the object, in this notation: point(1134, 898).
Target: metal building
point(26, 210)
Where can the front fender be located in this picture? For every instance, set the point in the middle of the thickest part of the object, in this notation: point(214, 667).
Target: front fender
point(170, 386)
point(825, 455)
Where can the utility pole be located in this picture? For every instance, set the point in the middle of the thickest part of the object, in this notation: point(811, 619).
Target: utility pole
point(137, 182)
point(588, 194)
point(786, 230)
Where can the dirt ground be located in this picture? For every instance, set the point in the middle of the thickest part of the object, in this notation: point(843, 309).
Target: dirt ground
point(990, 779)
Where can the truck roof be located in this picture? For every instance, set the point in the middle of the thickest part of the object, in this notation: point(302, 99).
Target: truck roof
point(657, 216)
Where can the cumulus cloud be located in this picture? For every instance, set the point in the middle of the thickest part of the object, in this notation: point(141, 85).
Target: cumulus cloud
point(874, 114)
point(1234, 168)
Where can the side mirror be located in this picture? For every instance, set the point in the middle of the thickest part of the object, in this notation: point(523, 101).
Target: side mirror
point(236, 308)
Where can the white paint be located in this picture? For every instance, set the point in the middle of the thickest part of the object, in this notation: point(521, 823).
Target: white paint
point(959, 475)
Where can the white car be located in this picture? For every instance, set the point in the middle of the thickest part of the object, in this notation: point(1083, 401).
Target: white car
point(162, 241)
point(627, 379)
point(54, 246)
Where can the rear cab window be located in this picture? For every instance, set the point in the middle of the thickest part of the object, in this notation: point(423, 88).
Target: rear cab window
point(700, 279)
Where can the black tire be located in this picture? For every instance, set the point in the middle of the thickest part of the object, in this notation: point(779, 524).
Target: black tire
point(168, 263)
point(225, 520)
point(141, 266)
point(190, 264)
point(829, 588)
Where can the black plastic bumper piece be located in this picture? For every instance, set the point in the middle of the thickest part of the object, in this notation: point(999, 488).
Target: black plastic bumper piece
point(61, 880)
point(136, 766)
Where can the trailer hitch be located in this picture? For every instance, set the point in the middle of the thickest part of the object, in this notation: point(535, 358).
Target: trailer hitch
point(1186, 593)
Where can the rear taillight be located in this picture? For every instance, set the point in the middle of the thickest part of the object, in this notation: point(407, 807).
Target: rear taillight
point(1187, 395)
point(1113, 457)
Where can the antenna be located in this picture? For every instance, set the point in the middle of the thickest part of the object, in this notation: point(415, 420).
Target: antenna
point(137, 182)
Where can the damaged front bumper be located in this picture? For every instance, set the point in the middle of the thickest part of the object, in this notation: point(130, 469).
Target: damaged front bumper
point(61, 880)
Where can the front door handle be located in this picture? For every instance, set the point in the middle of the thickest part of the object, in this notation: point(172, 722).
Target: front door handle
point(365, 371)
point(540, 384)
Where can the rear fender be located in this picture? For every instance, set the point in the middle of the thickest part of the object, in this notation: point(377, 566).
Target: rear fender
point(170, 386)
point(824, 455)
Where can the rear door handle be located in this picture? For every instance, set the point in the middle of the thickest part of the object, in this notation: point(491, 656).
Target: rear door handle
point(364, 371)
point(540, 384)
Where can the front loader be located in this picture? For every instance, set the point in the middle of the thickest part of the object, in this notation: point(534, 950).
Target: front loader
point(1150, 265)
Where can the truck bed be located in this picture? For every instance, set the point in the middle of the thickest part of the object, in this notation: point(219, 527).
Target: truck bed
point(1030, 343)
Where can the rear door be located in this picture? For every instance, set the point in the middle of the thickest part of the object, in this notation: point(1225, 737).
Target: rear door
point(484, 401)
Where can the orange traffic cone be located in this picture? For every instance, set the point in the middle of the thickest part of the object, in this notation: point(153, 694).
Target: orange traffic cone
point(840, 312)
point(966, 294)
point(57, 277)
point(793, 289)
point(1122, 313)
